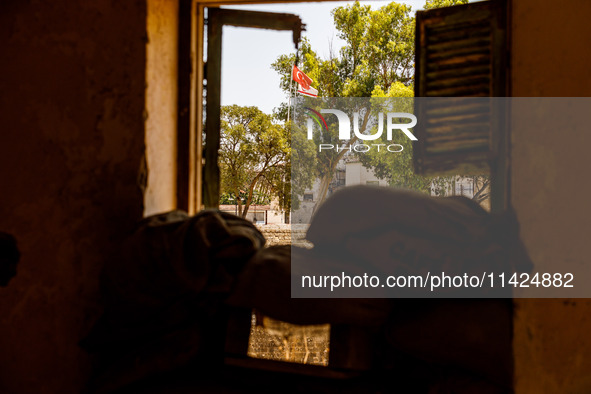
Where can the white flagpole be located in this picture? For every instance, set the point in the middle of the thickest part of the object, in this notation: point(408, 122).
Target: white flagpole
point(289, 98)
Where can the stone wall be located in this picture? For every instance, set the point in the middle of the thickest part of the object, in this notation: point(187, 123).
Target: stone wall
point(281, 234)
point(275, 340)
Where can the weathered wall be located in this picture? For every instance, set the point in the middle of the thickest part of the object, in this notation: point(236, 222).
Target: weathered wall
point(551, 57)
point(282, 234)
point(161, 105)
point(276, 235)
point(72, 79)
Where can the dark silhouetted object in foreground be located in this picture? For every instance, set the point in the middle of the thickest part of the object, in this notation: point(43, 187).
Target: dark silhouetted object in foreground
point(9, 257)
point(169, 293)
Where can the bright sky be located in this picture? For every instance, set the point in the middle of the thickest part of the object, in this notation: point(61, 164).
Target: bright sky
point(247, 76)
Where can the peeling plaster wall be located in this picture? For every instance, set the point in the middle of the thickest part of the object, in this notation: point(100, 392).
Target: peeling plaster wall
point(161, 105)
point(71, 143)
point(551, 57)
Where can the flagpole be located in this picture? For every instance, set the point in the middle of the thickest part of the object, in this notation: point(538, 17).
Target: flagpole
point(295, 63)
point(289, 98)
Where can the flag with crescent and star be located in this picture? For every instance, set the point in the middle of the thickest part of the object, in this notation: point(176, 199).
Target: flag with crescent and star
point(304, 82)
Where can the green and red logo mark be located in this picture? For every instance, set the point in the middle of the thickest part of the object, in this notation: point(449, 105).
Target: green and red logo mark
point(317, 117)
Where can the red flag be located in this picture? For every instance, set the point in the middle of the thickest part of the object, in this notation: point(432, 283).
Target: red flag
point(304, 81)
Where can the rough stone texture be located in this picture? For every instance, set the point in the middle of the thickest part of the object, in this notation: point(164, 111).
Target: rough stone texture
point(276, 340)
point(71, 143)
point(284, 234)
point(551, 57)
point(280, 341)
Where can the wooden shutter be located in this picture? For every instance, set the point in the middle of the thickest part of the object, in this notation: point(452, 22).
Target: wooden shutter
point(460, 55)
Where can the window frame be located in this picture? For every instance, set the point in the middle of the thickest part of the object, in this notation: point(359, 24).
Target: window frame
point(190, 176)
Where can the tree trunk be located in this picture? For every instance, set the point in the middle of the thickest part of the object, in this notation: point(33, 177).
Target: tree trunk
point(250, 194)
point(238, 202)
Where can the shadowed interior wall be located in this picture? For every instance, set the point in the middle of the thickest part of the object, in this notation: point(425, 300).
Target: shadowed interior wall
point(551, 57)
point(161, 105)
point(71, 144)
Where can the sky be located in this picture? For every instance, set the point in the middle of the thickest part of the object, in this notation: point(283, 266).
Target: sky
point(247, 54)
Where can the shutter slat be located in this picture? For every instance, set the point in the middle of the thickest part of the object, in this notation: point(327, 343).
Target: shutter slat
point(465, 51)
point(434, 76)
point(467, 90)
point(459, 82)
point(457, 33)
point(478, 118)
point(460, 61)
point(458, 66)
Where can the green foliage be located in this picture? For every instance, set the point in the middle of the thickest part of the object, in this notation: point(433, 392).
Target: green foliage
point(378, 56)
point(303, 165)
point(377, 61)
point(396, 168)
point(379, 46)
point(442, 3)
point(254, 157)
point(379, 51)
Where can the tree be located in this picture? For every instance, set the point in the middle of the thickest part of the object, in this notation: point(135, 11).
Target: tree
point(442, 3)
point(302, 164)
point(376, 61)
point(378, 52)
point(254, 157)
point(396, 168)
point(481, 188)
